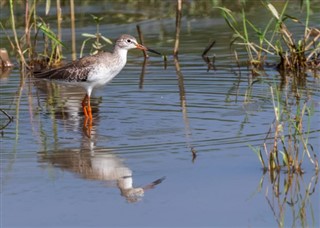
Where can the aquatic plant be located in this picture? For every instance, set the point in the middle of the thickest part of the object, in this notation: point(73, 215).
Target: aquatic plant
point(286, 144)
point(275, 39)
point(96, 45)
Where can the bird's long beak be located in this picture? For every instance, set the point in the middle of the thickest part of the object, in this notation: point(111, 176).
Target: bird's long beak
point(139, 46)
point(153, 51)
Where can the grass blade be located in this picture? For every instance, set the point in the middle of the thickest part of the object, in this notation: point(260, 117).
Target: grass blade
point(49, 33)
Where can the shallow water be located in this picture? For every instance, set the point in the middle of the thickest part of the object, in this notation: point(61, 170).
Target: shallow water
point(53, 174)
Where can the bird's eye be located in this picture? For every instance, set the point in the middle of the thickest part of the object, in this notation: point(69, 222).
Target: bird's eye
point(128, 40)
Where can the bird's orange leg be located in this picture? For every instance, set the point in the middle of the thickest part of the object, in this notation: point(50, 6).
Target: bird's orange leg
point(84, 105)
point(89, 110)
point(87, 124)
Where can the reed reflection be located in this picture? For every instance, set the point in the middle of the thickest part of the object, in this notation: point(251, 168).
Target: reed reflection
point(180, 78)
point(289, 198)
point(183, 104)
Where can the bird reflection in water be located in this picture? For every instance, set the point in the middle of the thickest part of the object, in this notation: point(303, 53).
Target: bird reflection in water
point(86, 160)
point(100, 164)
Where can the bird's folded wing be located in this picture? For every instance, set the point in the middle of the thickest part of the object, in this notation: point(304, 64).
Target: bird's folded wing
point(75, 71)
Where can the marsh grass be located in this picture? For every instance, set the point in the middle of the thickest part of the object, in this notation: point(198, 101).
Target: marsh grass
point(286, 144)
point(25, 44)
point(37, 30)
point(276, 39)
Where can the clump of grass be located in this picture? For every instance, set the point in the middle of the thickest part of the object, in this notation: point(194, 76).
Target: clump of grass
point(51, 50)
point(25, 44)
point(276, 39)
point(286, 145)
point(51, 55)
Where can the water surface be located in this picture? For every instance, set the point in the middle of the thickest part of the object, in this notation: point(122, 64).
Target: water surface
point(53, 174)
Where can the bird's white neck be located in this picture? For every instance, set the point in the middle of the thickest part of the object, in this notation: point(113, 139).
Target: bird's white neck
point(120, 52)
